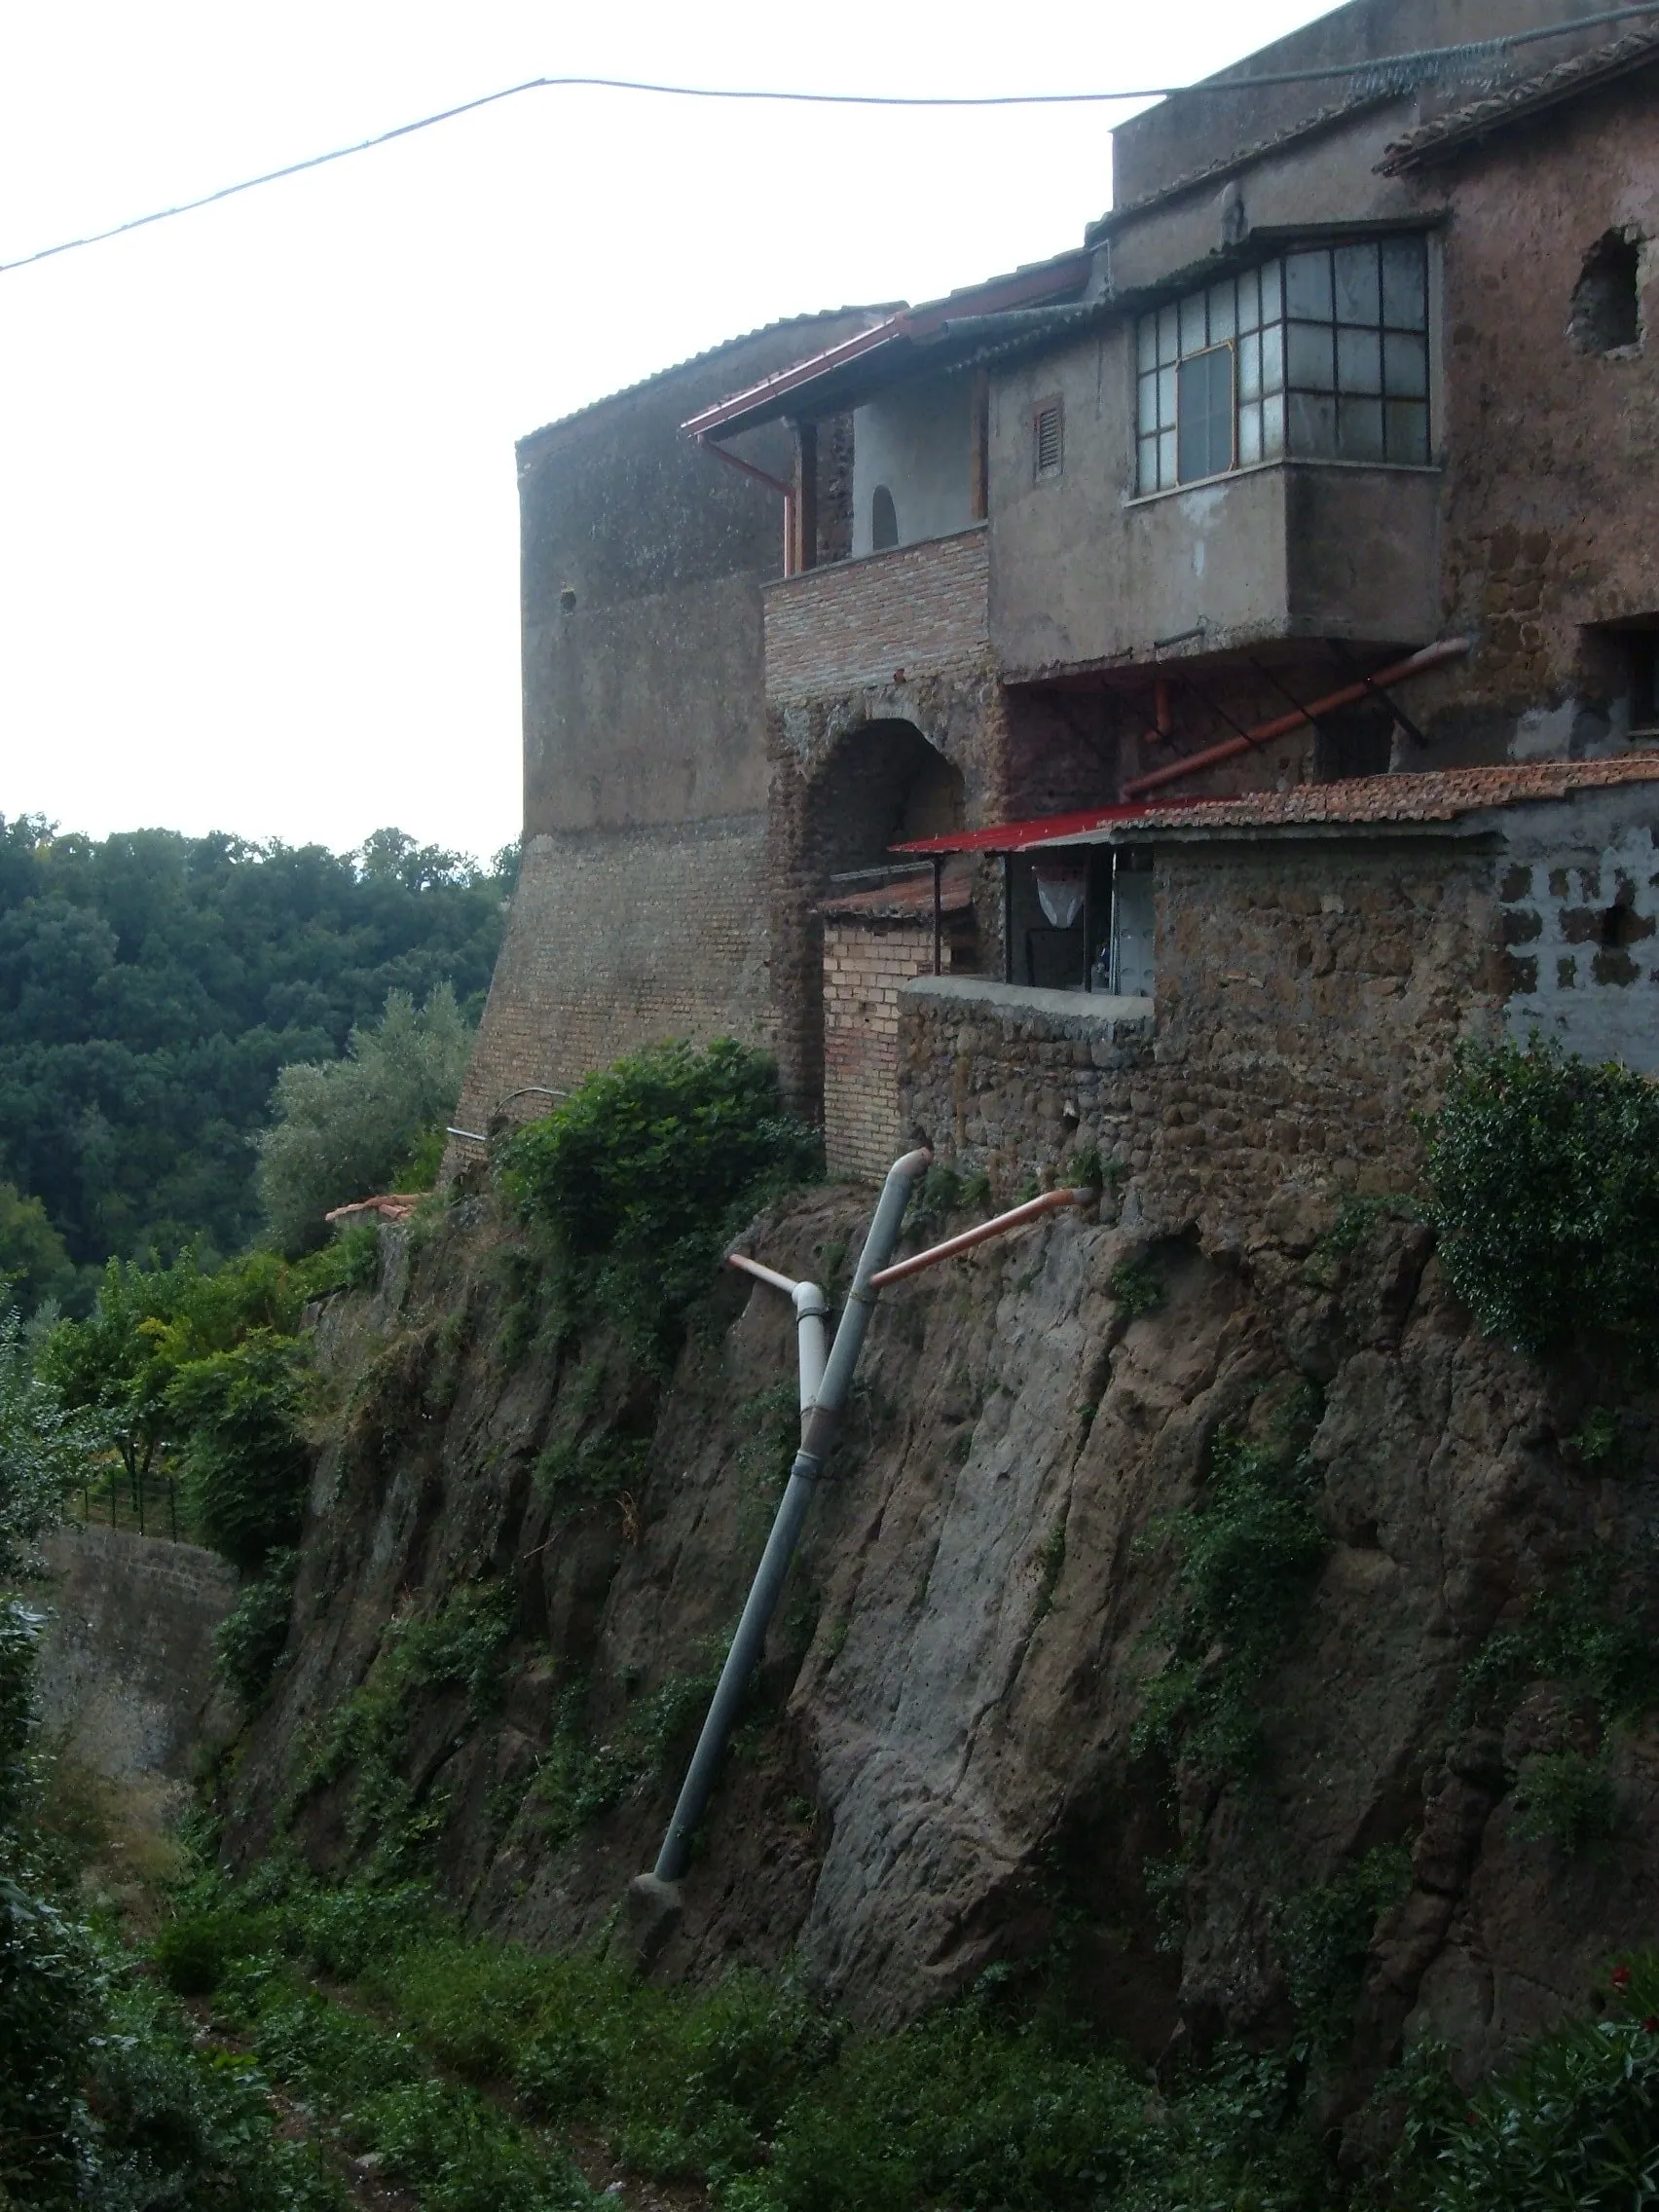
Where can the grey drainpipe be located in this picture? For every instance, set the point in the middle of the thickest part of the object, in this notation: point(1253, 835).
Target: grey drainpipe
point(816, 1440)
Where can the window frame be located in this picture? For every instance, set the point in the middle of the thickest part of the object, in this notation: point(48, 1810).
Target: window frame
point(1374, 403)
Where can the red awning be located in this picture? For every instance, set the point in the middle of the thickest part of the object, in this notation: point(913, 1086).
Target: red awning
point(1044, 829)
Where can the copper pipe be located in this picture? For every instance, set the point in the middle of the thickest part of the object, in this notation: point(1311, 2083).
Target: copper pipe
point(1029, 1211)
point(1431, 657)
point(764, 1275)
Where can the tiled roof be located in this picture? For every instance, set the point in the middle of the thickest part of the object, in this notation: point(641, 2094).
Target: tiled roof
point(1441, 795)
point(1565, 81)
point(709, 354)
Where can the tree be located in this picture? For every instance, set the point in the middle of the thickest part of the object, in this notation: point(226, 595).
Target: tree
point(346, 1129)
point(151, 988)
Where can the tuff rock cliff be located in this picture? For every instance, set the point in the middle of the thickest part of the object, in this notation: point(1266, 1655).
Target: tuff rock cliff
point(523, 1550)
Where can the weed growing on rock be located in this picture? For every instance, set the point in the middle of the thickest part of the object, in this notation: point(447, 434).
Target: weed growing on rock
point(247, 1644)
point(1582, 1636)
point(1544, 1170)
point(461, 1647)
point(1246, 1552)
point(1135, 1287)
point(580, 1779)
point(1325, 1934)
point(570, 1475)
point(1565, 1798)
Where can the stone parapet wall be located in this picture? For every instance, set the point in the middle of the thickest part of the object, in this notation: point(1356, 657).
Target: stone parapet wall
point(916, 611)
point(1011, 1081)
point(126, 1662)
point(1308, 1001)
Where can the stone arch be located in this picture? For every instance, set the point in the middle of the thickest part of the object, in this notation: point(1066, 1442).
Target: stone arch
point(876, 782)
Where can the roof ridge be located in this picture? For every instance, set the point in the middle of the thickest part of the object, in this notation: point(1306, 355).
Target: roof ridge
point(1578, 72)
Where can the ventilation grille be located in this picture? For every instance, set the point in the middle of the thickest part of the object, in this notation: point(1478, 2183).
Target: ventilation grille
point(1050, 428)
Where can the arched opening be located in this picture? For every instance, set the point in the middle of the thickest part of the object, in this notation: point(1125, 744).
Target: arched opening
point(883, 785)
point(861, 924)
point(883, 521)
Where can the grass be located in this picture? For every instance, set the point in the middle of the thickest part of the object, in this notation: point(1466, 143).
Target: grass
point(461, 2067)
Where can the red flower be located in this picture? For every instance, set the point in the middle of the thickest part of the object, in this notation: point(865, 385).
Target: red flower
point(1650, 2026)
point(1621, 1977)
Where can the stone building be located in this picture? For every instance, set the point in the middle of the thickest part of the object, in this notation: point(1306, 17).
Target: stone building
point(1325, 458)
point(642, 908)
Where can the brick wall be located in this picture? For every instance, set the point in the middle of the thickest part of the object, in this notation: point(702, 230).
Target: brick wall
point(865, 965)
point(918, 608)
point(618, 939)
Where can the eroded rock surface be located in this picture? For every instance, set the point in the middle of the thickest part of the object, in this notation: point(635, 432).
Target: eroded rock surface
point(939, 1772)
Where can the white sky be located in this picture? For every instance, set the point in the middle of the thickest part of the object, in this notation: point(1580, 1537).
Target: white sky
point(258, 523)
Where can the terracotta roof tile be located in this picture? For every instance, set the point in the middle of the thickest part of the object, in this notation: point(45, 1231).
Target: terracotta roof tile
point(1578, 74)
point(1439, 794)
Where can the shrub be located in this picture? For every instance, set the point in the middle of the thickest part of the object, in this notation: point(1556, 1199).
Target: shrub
point(1544, 1173)
point(1575, 2124)
point(248, 1641)
point(245, 1461)
point(646, 1169)
point(1325, 1934)
point(1585, 1636)
point(344, 1128)
point(1565, 1798)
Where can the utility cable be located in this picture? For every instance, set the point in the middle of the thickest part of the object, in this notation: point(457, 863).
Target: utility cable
point(1385, 73)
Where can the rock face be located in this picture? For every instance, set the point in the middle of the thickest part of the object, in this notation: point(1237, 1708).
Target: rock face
point(940, 1771)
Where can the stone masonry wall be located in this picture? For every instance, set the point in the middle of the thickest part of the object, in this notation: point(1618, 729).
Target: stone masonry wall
point(1307, 1002)
point(916, 610)
point(1011, 1081)
point(865, 965)
point(618, 939)
point(127, 1660)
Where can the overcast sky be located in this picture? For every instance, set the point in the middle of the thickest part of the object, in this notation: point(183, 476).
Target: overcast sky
point(258, 528)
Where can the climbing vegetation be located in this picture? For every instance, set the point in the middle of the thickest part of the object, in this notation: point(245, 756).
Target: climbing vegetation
point(1544, 1175)
point(646, 1169)
point(1246, 1552)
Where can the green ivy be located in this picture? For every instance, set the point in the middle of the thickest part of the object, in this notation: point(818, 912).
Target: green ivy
point(1325, 1936)
point(1246, 1552)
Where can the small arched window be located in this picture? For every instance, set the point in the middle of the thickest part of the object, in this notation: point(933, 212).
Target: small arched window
point(883, 521)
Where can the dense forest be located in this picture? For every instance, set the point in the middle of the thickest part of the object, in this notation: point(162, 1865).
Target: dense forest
point(152, 986)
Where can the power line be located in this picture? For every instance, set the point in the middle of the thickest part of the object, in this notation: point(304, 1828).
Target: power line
point(1387, 73)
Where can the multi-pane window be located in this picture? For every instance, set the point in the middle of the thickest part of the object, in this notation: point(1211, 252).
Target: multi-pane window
point(1322, 354)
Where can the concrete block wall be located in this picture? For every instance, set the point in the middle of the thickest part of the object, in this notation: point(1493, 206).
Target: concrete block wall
point(913, 612)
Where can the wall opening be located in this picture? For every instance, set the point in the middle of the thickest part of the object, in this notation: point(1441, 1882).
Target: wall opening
point(1607, 312)
point(883, 785)
point(883, 521)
